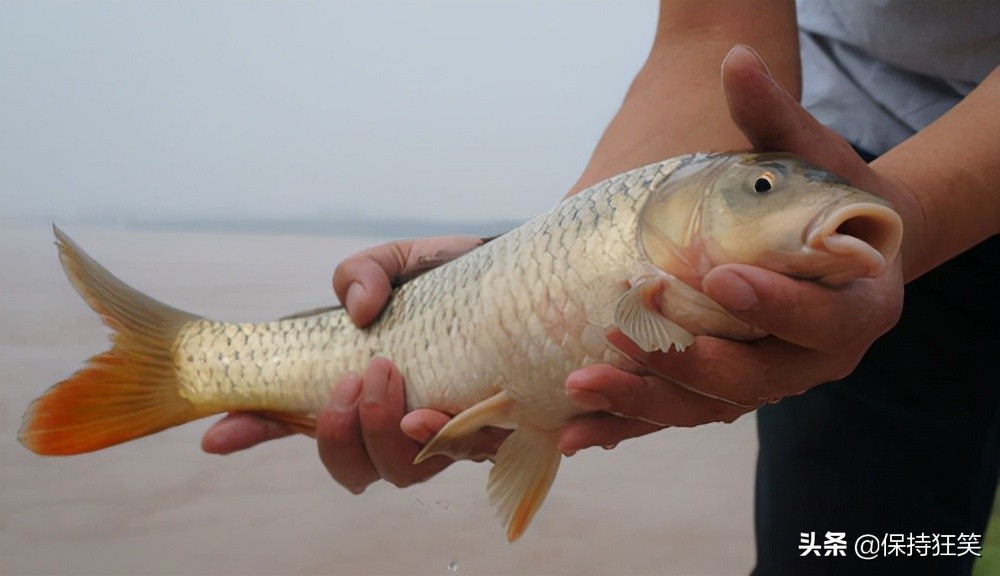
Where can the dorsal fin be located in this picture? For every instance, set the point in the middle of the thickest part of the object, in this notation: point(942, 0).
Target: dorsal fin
point(312, 312)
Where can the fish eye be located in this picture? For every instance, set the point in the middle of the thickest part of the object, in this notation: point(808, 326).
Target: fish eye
point(764, 182)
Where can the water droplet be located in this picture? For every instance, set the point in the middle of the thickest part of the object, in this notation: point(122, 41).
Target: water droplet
point(453, 567)
point(610, 446)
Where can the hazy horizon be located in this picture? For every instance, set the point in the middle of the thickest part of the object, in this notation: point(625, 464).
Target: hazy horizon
point(277, 112)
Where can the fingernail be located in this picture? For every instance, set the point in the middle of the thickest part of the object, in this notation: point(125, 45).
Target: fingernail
point(355, 293)
point(746, 49)
point(345, 394)
point(566, 448)
point(731, 291)
point(578, 390)
point(418, 432)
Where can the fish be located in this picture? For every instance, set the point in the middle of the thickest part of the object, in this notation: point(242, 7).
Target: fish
point(490, 336)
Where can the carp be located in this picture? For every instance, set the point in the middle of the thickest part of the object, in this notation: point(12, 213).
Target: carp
point(492, 335)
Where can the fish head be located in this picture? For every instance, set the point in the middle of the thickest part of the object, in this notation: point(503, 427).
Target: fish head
point(771, 210)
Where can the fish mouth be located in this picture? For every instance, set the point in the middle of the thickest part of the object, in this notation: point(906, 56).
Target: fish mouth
point(862, 239)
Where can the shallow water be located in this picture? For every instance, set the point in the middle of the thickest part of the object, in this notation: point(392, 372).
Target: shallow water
point(676, 502)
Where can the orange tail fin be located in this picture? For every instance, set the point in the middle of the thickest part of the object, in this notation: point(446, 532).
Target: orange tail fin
point(127, 392)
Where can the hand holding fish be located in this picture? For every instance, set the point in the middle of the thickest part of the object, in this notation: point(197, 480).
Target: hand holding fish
point(359, 434)
point(815, 333)
point(607, 281)
point(587, 298)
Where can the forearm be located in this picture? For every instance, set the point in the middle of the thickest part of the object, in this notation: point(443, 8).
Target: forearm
point(950, 172)
point(675, 104)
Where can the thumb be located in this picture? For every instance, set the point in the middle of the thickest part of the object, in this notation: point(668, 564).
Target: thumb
point(773, 120)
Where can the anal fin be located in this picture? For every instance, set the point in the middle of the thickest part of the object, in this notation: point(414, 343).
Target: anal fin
point(525, 467)
point(526, 463)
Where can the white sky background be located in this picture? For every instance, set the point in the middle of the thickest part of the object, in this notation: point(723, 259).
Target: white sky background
point(426, 110)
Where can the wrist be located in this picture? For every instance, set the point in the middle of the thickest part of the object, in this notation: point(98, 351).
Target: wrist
point(946, 179)
point(676, 104)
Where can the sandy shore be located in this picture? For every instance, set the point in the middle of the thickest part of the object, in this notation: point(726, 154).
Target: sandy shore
point(678, 502)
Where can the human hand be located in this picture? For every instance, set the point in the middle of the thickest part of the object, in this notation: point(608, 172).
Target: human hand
point(358, 432)
point(363, 282)
point(816, 333)
point(361, 439)
point(361, 433)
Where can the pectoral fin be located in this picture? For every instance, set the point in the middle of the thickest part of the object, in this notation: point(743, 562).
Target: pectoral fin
point(453, 439)
point(525, 467)
point(638, 316)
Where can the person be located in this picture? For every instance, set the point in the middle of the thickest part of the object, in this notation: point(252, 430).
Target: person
point(889, 421)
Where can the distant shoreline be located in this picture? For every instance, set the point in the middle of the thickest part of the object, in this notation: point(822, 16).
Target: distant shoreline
point(381, 228)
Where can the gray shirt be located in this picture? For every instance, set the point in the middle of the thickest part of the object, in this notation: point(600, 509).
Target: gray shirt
point(877, 71)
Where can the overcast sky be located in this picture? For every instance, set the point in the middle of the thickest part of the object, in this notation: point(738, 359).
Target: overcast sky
point(430, 110)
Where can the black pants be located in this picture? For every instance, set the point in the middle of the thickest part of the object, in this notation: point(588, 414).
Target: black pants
point(908, 444)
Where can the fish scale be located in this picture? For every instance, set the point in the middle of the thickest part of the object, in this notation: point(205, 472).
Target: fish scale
point(492, 335)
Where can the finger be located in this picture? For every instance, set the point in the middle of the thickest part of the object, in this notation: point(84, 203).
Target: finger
point(423, 425)
point(743, 374)
point(339, 440)
point(648, 398)
point(429, 253)
point(748, 374)
point(364, 282)
point(381, 409)
point(773, 120)
point(805, 313)
point(239, 431)
point(600, 429)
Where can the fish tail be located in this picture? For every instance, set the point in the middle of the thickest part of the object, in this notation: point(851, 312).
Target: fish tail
point(124, 393)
